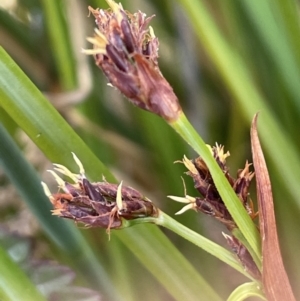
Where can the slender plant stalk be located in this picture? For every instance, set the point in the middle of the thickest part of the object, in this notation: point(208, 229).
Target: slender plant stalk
point(202, 242)
point(207, 245)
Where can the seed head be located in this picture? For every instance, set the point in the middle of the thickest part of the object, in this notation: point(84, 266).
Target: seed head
point(126, 50)
point(100, 204)
point(210, 201)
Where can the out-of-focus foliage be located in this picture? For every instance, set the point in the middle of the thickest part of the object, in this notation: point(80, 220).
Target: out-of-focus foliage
point(53, 280)
point(226, 60)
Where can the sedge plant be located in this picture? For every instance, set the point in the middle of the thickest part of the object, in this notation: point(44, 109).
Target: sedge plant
point(125, 48)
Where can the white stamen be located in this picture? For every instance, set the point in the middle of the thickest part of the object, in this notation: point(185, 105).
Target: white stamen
point(47, 191)
point(117, 9)
point(187, 199)
point(189, 165)
point(226, 235)
point(93, 51)
point(119, 197)
point(65, 171)
point(151, 31)
point(97, 42)
point(78, 162)
point(185, 208)
point(101, 35)
point(178, 199)
point(59, 180)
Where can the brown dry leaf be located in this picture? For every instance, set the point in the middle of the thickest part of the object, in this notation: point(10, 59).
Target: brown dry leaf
point(275, 280)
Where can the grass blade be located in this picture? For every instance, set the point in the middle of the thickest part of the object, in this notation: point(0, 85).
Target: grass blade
point(61, 46)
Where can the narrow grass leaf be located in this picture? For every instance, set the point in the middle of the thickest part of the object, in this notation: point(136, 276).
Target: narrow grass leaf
point(60, 41)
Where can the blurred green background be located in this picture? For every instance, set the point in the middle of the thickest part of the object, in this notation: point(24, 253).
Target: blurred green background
point(226, 60)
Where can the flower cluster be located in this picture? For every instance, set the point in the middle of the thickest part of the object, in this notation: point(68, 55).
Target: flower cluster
point(100, 204)
point(211, 203)
point(126, 50)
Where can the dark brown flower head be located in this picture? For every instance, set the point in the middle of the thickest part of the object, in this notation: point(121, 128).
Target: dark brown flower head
point(210, 201)
point(100, 204)
point(127, 50)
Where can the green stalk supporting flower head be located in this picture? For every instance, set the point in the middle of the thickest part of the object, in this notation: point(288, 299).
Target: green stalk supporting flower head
point(127, 51)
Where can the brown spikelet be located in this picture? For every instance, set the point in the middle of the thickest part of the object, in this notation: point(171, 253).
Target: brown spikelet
point(99, 204)
point(126, 50)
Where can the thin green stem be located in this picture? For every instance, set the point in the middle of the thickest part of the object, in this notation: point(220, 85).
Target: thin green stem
point(207, 245)
point(232, 202)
